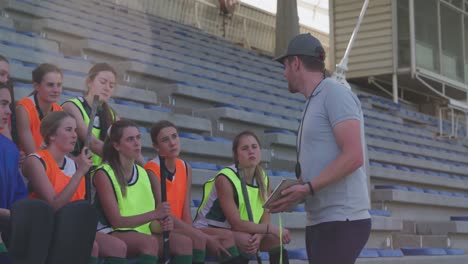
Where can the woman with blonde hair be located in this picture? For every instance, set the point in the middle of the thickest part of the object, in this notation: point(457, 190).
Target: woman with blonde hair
point(101, 81)
point(59, 180)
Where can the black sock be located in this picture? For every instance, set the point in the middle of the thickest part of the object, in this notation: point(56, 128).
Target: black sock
point(275, 255)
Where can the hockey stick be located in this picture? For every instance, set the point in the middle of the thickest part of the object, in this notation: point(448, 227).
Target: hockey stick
point(162, 173)
point(87, 142)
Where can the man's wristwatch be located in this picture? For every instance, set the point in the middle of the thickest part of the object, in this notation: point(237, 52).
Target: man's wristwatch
point(311, 189)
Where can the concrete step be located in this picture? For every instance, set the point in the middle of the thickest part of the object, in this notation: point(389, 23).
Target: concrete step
point(456, 231)
point(408, 240)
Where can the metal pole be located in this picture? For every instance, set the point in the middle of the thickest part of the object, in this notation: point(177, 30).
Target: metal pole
point(412, 38)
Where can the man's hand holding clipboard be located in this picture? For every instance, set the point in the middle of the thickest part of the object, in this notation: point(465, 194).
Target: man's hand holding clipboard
point(277, 201)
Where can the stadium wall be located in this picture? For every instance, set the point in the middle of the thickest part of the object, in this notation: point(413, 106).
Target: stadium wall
point(372, 52)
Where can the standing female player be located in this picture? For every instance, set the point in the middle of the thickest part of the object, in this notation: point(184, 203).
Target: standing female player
point(166, 142)
point(101, 82)
point(47, 83)
point(126, 201)
point(58, 180)
point(224, 204)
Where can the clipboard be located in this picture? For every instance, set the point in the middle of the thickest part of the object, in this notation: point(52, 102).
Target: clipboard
point(276, 194)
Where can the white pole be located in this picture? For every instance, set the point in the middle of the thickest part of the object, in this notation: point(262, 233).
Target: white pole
point(342, 67)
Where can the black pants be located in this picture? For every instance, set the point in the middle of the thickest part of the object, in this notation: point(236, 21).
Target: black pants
point(338, 242)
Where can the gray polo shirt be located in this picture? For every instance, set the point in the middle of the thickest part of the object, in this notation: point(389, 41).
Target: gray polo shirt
point(348, 199)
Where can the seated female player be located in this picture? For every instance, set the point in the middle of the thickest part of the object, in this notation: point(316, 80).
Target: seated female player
point(218, 242)
point(126, 201)
point(224, 204)
point(58, 180)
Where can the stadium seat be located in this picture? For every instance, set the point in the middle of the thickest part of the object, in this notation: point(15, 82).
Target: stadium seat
point(190, 135)
point(408, 251)
point(203, 166)
point(375, 212)
point(298, 254)
point(390, 253)
point(369, 253)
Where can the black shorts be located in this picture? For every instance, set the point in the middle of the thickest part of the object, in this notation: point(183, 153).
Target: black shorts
point(338, 242)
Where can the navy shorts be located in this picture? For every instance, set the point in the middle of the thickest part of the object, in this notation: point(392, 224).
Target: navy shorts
point(338, 242)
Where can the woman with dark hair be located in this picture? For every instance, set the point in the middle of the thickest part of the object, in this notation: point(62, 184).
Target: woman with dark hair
point(218, 242)
point(59, 180)
point(47, 82)
point(125, 200)
point(100, 81)
point(224, 204)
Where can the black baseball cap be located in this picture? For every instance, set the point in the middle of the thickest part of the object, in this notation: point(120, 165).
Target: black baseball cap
point(304, 44)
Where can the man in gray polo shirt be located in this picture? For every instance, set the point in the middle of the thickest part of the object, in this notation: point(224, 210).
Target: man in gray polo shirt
point(331, 147)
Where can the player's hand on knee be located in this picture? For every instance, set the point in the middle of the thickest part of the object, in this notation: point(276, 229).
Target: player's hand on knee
point(245, 246)
point(286, 236)
point(216, 247)
point(255, 240)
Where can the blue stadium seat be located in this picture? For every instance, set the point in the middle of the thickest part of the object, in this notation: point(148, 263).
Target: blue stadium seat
point(273, 115)
point(255, 111)
point(391, 187)
point(279, 131)
point(203, 165)
point(196, 202)
point(375, 164)
point(431, 191)
point(157, 108)
point(129, 103)
point(459, 218)
point(415, 189)
point(190, 136)
point(389, 166)
point(403, 168)
point(445, 193)
point(229, 106)
point(410, 251)
point(299, 208)
point(369, 253)
point(390, 253)
point(217, 139)
point(30, 65)
point(454, 251)
point(298, 254)
point(286, 174)
point(376, 212)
